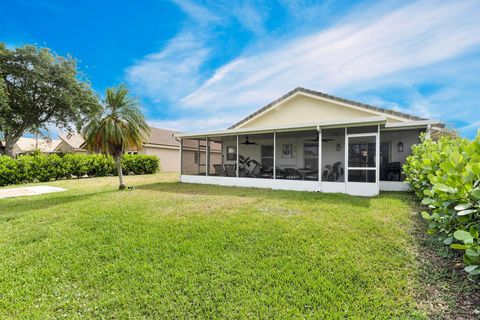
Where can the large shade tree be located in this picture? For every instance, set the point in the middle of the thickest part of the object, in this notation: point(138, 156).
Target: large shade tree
point(119, 126)
point(39, 90)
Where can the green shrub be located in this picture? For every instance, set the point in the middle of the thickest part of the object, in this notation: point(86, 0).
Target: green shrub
point(445, 174)
point(43, 168)
point(140, 164)
point(99, 165)
point(8, 171)
point(77, 165)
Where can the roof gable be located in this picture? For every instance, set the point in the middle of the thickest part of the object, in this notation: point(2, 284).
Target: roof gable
point(73, 140)
point(326, 107)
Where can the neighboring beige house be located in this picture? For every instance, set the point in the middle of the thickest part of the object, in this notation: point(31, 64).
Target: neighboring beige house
point(163, 144)
point(27, 145)
point(310, 141)
point(160, 143)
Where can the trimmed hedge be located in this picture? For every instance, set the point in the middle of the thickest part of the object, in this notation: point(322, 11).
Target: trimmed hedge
point(42, 168)
point(445, 174)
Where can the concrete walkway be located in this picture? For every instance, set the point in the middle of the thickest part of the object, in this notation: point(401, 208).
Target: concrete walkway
point(28, 191)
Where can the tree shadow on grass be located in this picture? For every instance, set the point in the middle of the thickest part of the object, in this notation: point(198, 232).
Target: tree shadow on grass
point(10, 207)
point(257, 193)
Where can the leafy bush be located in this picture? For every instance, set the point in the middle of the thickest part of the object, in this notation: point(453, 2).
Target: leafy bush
point(42, 168)
point(76, 164)
point(140, 164)
point(8, 171)
point(445, 174)
point(99, 165)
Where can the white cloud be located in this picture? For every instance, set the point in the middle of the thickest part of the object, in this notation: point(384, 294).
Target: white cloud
point(370, 48)
point(171, 72)
point(197, 12)
point(205, 123)
point(346, 54)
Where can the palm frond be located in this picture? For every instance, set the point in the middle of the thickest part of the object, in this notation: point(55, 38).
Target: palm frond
point(120, 125)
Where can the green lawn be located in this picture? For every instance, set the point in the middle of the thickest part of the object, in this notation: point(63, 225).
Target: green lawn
point(172, 250)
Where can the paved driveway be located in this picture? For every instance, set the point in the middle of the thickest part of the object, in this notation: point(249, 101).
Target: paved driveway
point(28, 191)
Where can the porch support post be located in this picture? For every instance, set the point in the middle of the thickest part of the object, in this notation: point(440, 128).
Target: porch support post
point(377, 160)
point(346, 159)
point(223, 151)
point(274, 155)
point(319, 154)
point(207, 155)
point(199, 156)
point(181, 156)
point(428, 133)
point(237, 171)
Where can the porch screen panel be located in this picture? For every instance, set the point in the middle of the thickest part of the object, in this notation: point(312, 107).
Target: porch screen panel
point(333, 155)
point(395, 147)
point(297, 155)
point(193, 157)
point(255, 155)
point(216, 158)
point(361, 159)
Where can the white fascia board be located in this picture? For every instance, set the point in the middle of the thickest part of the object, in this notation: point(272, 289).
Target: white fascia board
point(296, 127)
point(411, 124)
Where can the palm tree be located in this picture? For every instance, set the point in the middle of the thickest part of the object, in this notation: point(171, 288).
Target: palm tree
point(120, 125)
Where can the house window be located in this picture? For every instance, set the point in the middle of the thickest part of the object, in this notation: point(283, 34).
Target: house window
point(132, 152)
point(267, 156)
point(196, 157)
point(311, 155)
point(231, 153)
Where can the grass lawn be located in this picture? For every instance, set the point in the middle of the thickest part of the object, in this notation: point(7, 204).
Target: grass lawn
point(172, 250)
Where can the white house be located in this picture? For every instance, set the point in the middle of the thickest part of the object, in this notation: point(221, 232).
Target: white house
point(315, 142)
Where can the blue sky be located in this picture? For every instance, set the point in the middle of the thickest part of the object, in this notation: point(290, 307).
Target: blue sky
point(204, 65)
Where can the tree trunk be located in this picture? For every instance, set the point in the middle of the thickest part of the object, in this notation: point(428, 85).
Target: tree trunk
point(118, 163)
point(8, 147)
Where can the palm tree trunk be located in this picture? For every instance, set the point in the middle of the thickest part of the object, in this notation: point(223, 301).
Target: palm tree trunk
point(118, 163)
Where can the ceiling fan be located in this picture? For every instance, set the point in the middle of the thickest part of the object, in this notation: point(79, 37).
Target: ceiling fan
point(248, 142)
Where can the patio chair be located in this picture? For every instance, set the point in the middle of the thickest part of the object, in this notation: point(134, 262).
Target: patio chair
point(242, 172)
point(311, 175)
point(292, 174)
point(394, 171)
point(230, 170)
point(279, 174)
point(338, 170)
point(219, 171)
point(256, 170)
point(265, 173)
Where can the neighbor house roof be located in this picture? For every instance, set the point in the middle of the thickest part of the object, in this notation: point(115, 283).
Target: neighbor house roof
point(162, 137)
point(325, 96)
point(30, 144)
point(73, 140)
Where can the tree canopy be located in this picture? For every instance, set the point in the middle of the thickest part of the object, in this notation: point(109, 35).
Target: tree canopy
point(40, 89)
point(118, 127)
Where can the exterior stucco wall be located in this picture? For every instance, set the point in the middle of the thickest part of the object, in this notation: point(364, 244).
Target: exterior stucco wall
point(303, 109)
point(169, 158)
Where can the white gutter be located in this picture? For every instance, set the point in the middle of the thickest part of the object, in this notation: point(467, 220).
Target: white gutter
point(296, 127)
point(419, 123)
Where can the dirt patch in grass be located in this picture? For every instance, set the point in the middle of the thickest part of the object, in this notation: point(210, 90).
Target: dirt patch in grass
point(444, 289)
